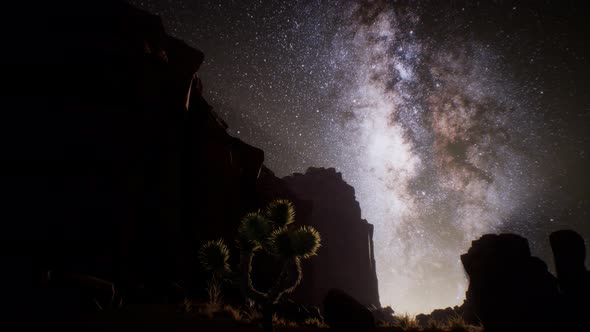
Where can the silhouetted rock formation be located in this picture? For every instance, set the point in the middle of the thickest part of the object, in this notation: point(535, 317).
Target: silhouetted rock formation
point(569, 251)
point(346, 259)
point(441, 316)
point(509, 290)
point(343, 313)
point(117, 167)
point(384, 315)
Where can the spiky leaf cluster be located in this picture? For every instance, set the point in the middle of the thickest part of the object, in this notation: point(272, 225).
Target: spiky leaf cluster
point(302, 242)
point(280, 242)
point(305, 241)
point(254, 231)
point(214, 256)
point(281, 212)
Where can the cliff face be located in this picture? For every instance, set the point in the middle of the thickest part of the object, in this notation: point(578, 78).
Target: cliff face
point(115, 166)
point(346, 259)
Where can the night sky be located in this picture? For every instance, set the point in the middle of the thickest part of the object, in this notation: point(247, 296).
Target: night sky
point(451, 119)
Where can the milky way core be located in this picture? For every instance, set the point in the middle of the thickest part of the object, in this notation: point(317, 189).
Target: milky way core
point(440, 159)
point(448, 119)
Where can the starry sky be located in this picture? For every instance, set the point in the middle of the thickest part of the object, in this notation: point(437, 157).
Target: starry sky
point(451, 119)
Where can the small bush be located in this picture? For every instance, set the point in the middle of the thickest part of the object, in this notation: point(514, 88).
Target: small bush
point(251, 314)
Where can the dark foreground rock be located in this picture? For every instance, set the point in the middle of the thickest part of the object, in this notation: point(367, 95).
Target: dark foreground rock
point(384, 315)
point(441, 316)
point(509, 289)
point(116, 167)
point(114, 164)
point(343, 313)
point(569, 251)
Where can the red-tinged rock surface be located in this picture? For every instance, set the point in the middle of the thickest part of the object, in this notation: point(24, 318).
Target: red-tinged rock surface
point(346, 260)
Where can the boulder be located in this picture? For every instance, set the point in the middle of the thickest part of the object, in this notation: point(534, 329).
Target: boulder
point(344, 313)
point(384, 314)
point(509, 290)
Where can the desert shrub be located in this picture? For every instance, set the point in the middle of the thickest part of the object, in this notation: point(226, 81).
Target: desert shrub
point(271, 231)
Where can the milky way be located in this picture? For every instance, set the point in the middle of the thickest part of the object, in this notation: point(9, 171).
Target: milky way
point(443, 124)
point(441, 158)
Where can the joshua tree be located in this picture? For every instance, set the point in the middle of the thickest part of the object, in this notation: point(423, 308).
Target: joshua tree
point(214, 257)
point(272, 231)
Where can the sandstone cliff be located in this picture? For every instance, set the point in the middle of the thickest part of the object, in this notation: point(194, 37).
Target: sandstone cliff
point(345, 260)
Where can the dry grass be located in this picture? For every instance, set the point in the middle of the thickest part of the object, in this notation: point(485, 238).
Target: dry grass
point(282, 322)
point(457, 324)
point(210, 309)
point(234, 313)
point(407, 322)
point(384, 323)
point(187, 305)
point(453, 324)
point(314, 322)
point(434, 325)
point(251, 314)
point(214, 292)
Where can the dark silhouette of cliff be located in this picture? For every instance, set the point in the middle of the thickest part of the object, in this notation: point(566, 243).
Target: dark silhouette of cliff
point(346, 259)
point(510, 290)
point(114, 165)
point(115, 169)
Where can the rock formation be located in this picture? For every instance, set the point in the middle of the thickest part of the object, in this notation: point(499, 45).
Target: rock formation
point(441, 316)
point(509, 290)
point(344, 313)
point(117, 166)
point(345, 260)
point(569, 251)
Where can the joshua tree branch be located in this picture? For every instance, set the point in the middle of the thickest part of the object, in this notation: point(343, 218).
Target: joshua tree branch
point(289, 278)
point(247, 286)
